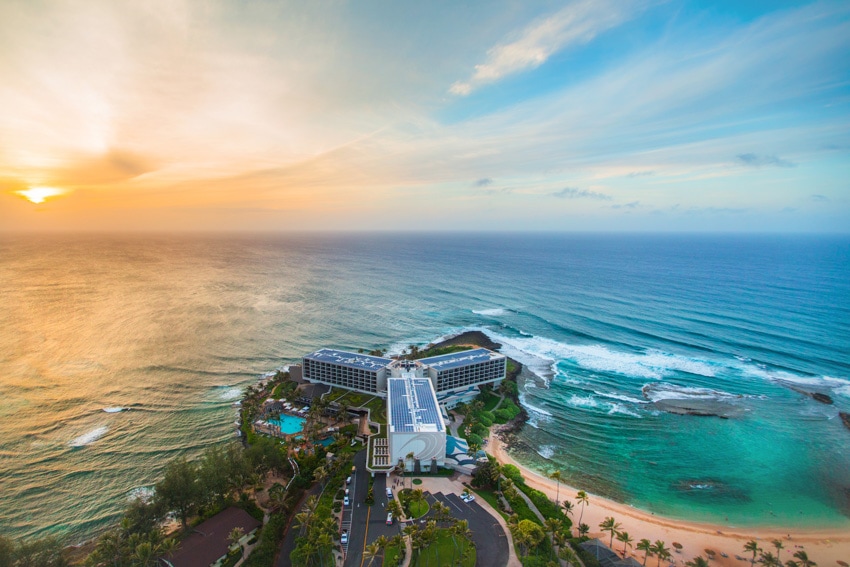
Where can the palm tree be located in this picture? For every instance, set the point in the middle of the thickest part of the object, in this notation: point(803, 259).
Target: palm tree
point(410, 457)
point(371, 552)
point(610, 525)
point(767, 559)
point(661, 551)
point(804, 559)
point(568, 507)
point(752, 547)
point(698, 561)
point(646, 546)
point(626, 540)
point(583, 529)
point(556, 476)
point(778, 545)
point(235, 535)
point(792, 563)
point(581, 498)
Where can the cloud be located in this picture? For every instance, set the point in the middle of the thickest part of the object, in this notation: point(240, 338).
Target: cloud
point(820, 198)
point(640, 174)
point(757, 160)
point(633, 205)
point(483, 182)
point(576, 24)
point(571, 193)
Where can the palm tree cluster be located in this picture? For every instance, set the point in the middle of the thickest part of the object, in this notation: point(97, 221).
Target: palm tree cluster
point(442, 522)
point(316, 534)
point(44, 552)
point(768, 559)
point(379, 546)
point(131, 545)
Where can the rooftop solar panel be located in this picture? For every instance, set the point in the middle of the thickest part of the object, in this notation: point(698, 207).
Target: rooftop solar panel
point(350, 359)
point(457, 359)
point(413, 406)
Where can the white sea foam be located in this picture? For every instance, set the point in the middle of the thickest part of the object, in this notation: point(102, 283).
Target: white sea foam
point(583, 401)
point(590, 402)
point(650, 364)
point(622, 410)
point(621, 397)
point(230, 394)
point(88, 438)
point(143, 493)
point(496, 312)
point(660, 391)
point(116, 409)
point(546, 451)
point(842, 391)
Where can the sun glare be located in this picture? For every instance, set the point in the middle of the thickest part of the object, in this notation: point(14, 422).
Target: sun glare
point(39, 194)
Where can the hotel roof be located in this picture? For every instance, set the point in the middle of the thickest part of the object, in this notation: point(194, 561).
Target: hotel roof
point(413, 406)
point(350, 359)
point(463, 358)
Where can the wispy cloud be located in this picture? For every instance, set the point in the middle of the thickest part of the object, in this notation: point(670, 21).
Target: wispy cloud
point(756, 160)
point(820, 198)
point(576, 24)
point(572, 193)
point(483, 182)
point(630, 206)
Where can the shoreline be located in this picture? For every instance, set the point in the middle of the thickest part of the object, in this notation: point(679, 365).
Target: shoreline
point(824, 546)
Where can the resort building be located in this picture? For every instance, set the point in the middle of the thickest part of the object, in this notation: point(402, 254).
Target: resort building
point(459, 370)
point(414, 423)
point(359, 372)
point(454, 376)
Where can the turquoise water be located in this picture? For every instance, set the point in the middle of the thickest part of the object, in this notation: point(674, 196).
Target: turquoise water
point(165, 332)
point(325, 442)
point(288, 424)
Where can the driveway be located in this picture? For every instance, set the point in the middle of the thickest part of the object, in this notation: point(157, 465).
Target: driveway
point(491, 543)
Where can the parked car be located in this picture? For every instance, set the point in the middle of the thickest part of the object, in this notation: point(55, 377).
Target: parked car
point(390, 519)
point(346, 501)
point(343, 539)
point(389, 493)
point(346, 492)
point(467, 497)
point(348, 480)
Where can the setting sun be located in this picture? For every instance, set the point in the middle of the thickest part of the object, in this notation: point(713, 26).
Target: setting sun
point(39, 194)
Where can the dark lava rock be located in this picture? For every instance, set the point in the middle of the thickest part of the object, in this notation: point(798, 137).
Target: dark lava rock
point(705, 408)
point(822, 398)
point(845, 418)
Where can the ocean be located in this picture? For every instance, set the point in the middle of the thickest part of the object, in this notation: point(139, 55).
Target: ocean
point(118, 353)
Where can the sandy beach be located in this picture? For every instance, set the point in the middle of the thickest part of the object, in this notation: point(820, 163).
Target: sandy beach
point(825, 547)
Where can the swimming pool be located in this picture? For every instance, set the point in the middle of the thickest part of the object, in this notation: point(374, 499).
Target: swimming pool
point(288, 424)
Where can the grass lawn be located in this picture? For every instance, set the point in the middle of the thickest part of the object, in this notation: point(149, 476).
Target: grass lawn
point(491, 499)
point(442, 551)
point(490, 401)
point(418, 508)
point(392, 555)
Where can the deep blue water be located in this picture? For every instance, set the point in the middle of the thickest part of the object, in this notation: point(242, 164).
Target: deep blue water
point(173, 327)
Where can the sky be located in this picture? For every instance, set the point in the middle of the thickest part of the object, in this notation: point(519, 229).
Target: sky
point(258, 115)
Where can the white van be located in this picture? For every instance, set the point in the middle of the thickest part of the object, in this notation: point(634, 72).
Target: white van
point(389, 493)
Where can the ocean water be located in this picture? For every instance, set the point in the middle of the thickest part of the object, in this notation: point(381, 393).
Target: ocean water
point(118, 353)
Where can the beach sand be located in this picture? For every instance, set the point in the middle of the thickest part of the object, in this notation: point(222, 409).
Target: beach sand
point(825, 547)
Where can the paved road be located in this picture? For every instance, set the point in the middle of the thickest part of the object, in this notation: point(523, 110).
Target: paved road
point(373, 524)
point(354, 515)
point(491, 543)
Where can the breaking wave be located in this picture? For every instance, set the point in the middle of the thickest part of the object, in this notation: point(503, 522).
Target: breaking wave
point(88, 438)
point(495, 312)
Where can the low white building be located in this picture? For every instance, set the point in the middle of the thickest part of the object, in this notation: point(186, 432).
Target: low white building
point(415, 424)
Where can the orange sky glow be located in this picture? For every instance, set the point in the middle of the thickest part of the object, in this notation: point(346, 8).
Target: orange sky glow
point(190, 115)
